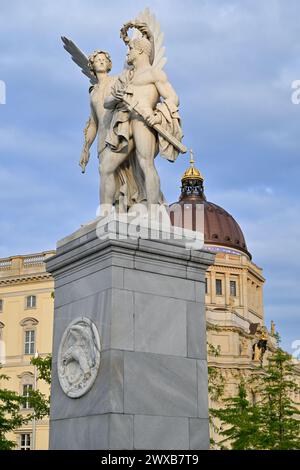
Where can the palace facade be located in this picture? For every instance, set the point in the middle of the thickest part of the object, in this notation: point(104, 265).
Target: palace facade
point(26, 319)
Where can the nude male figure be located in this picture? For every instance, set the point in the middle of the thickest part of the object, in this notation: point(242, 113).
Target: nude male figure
point(147, 85)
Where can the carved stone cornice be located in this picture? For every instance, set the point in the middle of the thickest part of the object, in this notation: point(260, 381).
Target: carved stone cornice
point(234, 329)
point(218, 267)
point(238, 268)
point(25, 279)
point(29, 320)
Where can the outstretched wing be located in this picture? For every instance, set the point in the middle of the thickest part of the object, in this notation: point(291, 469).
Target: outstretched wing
point(149, 18)
point(79, 58)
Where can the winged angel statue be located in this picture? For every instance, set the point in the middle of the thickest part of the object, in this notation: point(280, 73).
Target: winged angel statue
point(135, 115)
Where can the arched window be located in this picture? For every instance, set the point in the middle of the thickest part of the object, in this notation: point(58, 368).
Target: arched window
point(29, 342)
point(31, 301)
point(25, 387)
point(29, 335)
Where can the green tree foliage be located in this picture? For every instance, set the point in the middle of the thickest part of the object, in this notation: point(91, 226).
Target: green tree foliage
point(273, 422)
point(12, 416)
point(239, 421)
point(279, 417)
point(216, 386)
point(39, 402)
point(44, 367)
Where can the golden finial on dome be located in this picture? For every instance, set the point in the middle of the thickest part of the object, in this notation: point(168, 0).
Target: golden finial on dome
point(192, 172)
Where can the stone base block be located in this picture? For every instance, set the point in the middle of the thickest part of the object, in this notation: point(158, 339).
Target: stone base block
point(146, 299)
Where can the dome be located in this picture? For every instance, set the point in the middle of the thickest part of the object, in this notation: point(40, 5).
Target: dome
point(220, 228)
point(192, 172)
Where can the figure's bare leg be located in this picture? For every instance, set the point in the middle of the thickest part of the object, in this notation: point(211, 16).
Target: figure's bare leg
point(109, 162)
point(146, 149)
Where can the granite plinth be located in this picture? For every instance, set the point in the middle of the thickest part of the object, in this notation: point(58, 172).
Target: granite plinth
point(146, 298)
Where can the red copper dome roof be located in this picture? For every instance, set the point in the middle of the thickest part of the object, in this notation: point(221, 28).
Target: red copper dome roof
point(220, 228)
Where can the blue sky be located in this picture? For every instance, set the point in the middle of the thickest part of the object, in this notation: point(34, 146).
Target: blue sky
point(232, 64)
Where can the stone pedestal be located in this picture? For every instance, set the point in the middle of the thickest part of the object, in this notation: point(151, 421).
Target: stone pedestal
point(146, 299)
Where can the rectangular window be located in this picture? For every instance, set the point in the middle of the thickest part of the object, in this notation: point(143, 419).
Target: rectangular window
point(1, 305)
point(206, 286)
point(26, 392)
point(31, 301)
point(233, 288)
point(25, 442)
point(29, 342)
point(219, 286)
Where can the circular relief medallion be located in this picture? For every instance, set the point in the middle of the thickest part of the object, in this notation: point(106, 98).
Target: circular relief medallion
point(78, 357)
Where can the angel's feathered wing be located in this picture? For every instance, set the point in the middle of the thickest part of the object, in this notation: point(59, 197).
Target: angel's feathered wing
point(79, 58)
point(149, 18)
